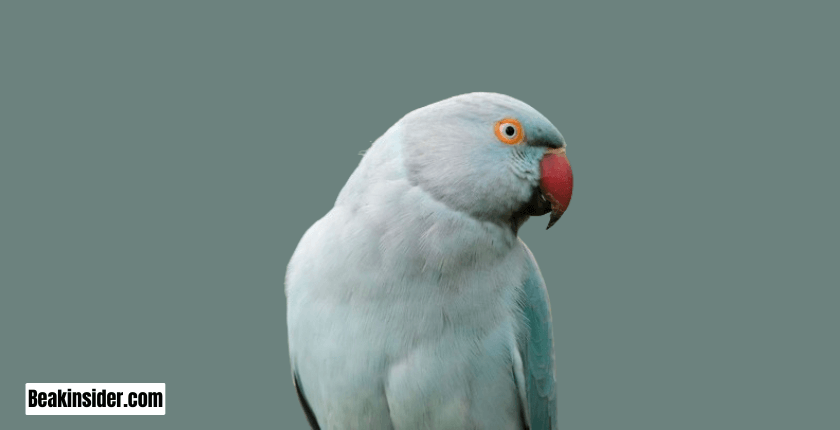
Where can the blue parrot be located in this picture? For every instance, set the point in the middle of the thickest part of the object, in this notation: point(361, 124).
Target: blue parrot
point(413, 303)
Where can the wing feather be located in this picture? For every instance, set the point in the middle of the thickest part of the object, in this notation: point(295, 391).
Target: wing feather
point(310, 416)
point(536, 347)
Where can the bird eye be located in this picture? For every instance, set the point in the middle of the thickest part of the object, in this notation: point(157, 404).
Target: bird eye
point(509, 131)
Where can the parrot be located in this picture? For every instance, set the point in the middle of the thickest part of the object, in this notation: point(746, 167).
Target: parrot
point(413, 303)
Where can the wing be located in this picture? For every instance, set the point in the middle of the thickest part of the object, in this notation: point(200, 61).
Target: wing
point(313, 422)
point(536, 348)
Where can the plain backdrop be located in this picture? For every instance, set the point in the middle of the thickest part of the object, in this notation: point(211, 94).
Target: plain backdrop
point(159, 162)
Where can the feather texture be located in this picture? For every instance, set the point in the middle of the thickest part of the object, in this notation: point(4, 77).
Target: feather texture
point(536, 344)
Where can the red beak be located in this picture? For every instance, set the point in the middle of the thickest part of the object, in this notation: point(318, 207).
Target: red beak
point(556, 182)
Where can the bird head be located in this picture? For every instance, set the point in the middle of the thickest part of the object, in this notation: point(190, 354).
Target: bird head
point(488, 155)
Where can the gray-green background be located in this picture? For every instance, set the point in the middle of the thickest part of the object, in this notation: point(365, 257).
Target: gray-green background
point(160, 161)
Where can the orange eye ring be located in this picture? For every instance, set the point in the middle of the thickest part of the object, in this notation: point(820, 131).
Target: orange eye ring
point(509, 131)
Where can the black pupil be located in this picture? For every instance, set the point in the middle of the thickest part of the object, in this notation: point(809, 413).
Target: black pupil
point(510, 131)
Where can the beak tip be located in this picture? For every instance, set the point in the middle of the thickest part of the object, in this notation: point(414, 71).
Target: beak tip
point(554, 217)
